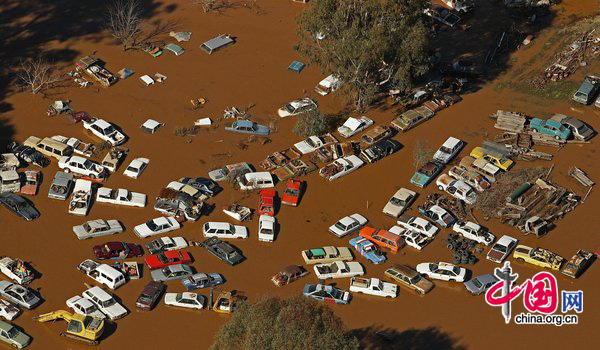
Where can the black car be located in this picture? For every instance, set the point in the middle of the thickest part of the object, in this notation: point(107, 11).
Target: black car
point(380, 149)
point(207, 186)
point(29, 155)
point(19, 206)
point(223, 251)
point(150, 295)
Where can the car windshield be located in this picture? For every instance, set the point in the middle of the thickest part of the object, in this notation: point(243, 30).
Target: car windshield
point(289, 108)
point(337, 293)
point(28, 296)
point(109, 130)
point(151, 225)
point(445, 150)
point(500, 248)
point(397, 201)
point(311, 143)
point(87, 227)
point(456, 270)
point(476, 283)
point(12, 332)
point(162, 258)
point(108, 302)
point(340, 225)
point(133, 169)
point(87, 164)
point(582, 129)
point(291, 191)
point(415, 279)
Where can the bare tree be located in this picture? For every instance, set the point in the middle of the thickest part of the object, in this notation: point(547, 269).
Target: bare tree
point(421, 153)
point(124, 22)
point(37, 75)
point(213, 5)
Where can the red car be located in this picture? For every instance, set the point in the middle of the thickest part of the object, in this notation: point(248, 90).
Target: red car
point(292, 193)
point(31, 182)
point(171, 257)
point(117, 250)
point(267, 202)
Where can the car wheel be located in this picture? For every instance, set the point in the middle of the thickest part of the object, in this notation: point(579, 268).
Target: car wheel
point(92, 176)
point(440, 188)
point(556, 137)
point(520, 260)
point(67, 170)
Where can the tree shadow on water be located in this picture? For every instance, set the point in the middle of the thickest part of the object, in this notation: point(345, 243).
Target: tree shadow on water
point(381, 338)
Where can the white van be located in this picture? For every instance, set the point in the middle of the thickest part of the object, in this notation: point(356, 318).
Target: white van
point(256, 180)
point(49, 147)
point(102, 273)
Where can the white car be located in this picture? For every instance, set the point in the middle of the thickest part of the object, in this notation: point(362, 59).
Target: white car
point(348, 224)
point(296, 107)
point(164, 244)
point(181, 187)
point(156, 226)
point(373, 286)
point(186, 299)
point(120, 196)
point(327, 85)
point(8, 311)
point(82, 166)
point(256, 180)
point(414, 239)
point(448, 150)
point(456, 188)
point(97, 228)
point(105, 303)
point(474, 231)
point(81, 198)
point(338, 269)
point(341, 167)
point(266, 228)
point(501, 249)
point(418, 224)
point(85, 307)
point(105, 131)
point(353, 126)
point(224, 230)
point(401, 200)
point(310, 144)
point(442, 271)
point(136, 167)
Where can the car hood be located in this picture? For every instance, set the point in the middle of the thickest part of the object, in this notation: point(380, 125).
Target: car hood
point(134, 250)
point(217, 175)
point(30, 213)
point(21, 339)
point(495, 255)
point(419, 179)
point(425, 285)
point(99, 253)
point(392, 209)
point(441, 156)
point(170, 297)
point(471, 287)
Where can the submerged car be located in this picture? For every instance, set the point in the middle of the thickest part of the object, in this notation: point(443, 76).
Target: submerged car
point(288, 275)
point(150, 295)
point(82, 166)
point(19, 206)
point(206, 186)
point(326, 255)
point(474, 231)
point(117, 251)
point(480, 284)
point(105, 131)
point(97, 228)
point(410, 278)
point(292, 193)
point(166, 244)
point(550, 127)
point(492, 157)
point(172, 272)
point(296, 107)
point(223, 250)
point(136, 167)
point(449, 149)
point(399, 202)
point(248, 127)
point(380, 149)
point(367, 249)
point(347, 225)
point(442, 271)
point(328, 294)
point(426, 174)
point(13, 336)
point(538, 256)
point(501, 249)
point(202, 280)
point(186, 300)
point(578, 263)
point(19, 295)
point(353, 126)
point(156, 226)
point(438, 215)
point(164, 259)
point(386, 240)
point(579, 129)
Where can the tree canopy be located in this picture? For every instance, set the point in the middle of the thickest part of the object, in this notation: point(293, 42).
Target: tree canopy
point(312, 123)
point(366, 43)
point(272, 323)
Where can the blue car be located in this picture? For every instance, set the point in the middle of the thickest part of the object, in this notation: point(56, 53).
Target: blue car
point(248, 127)
point(202, 280)
point(426, 174)
point(550, 127)
point(328, 294)
point(367, 249)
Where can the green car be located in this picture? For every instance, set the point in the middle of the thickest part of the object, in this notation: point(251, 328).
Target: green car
point(11, 335)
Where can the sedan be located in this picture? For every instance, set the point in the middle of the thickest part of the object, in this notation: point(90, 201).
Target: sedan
point(338, 269)
point(501, 249)
point(82, 166)
point(136, 167)
point(438, 215)
point(224, 230)
point(442, 271)
point(353, 126)
point(296, 107)
point(328, 294)
point(186, 299)
point(149, 296)
point(117, 251)
point(156, 227)
point(418, 224)
point(348, 224)
point(84, 307)
point(164, 244)
point(8, 311)
point(401, 200)
point(414, 239)
point(97, 228)
point(172, 272)
point(481, 284)
point(11, 335)
point(105, 131)
point(19, 206)
point(206, 186)
point(19, 294)
point(121, 196)
point(172, 257)
point(292, 193)
point(202, 280)
point(474, 231)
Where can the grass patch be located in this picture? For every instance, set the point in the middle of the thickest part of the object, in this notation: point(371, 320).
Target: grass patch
point(559, 90)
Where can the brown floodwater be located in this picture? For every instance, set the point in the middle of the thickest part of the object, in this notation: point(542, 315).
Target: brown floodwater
point(254, 72)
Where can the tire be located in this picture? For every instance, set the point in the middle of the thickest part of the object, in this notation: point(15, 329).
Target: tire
point(464, 244)
point(450, 246)
point(92, 176)
point(465, 254)
point(67, 170)
point(534, 130)
point(440, 188)
point(464, 260)
point(456, 260)
point(472, 259)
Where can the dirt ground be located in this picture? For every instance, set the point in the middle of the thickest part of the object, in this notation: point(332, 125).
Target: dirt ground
point(253, 72)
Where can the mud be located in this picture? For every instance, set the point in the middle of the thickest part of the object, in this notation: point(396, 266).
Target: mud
point(253, 71)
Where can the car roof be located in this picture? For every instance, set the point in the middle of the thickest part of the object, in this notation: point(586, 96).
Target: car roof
point(451, 142)
point(405, 270)
point(219, 225)
point(96, 223)
point(138, 162)
point(161, 220)
point(246, 123)
point(403, 193)
point(218, 41)
point(292, 269)
point(100, 293)
point(102, 123)
point(486, 278)
point(505, 240)
point(5, 326)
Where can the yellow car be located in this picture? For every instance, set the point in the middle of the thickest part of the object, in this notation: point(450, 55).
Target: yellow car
point(496, 159)
point(538, 256)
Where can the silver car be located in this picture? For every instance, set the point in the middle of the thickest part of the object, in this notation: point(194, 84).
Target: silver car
point(481, 284)
point(172, 272)
point(97, 228)
point(18, 294)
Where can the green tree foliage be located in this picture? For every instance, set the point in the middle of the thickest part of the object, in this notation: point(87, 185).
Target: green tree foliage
point(312, 123)
point(272, 323)
point(366, 42)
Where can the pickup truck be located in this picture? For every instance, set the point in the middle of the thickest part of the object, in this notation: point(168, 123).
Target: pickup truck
point(81, 199)
point(471, 178)
point(341, 167)
point(456, 188)
point(16, 270)
point(333, 151)
point(373, 286)
point(95, 68)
